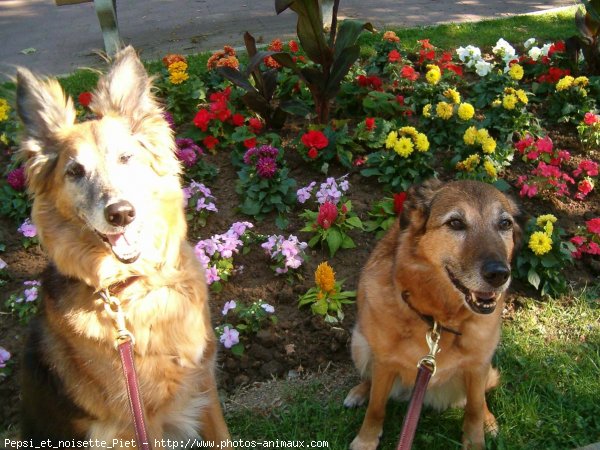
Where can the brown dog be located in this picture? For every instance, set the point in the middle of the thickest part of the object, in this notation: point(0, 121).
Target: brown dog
point(108, 205)
point(447, 259)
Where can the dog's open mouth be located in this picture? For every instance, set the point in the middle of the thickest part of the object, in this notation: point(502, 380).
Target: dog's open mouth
point(125, 245)
point(479, 302)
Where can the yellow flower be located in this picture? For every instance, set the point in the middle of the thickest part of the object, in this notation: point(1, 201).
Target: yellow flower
point(581, 81)
point(490, 169)
point(178, 77)
point(516, 72)
point(469, 164)
point(453, 95)
point(409, 131)
point(564, 83)
point(427, 110)
point(482, 136)
point(545, 218)
point(510, 90)
point(325, 277)
point(4, 109)
point(583, 92)
point(522, 96)
point(177, 66)
point(470, 136)
point(466, 111)
point(540, 243)
point(433, 74)
point(444, 110)
point(404, 147)
point(509, 101)
point(4, 139)
point(548, 228)
point(391, 139)
point(488, 145)
point(421, 142)
point(496, 103)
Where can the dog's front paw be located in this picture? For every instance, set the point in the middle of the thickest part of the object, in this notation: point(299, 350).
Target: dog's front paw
point(358, 395)
point(490, 424)
point(361, 444)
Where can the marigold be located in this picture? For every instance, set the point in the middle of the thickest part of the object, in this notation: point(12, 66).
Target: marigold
point(390, 36)
point(409, 131)
point(427, 110)
point(178, 77)
point(488, 145)
point(453, 95)
point(177, 66)
point(516, 72)
point(444, 110)
point(490, 169)
point(422, 142)
point(522, 96)
point(4, 109)
point(581, 81)
point(325, 277)
point(470, 136)
point(469, 164)
point(545, 218)
point(391, 139)
point(540, 243)
point(433, 74)
point(4, 139)
point(509, 101)
point(229, 61)
point(564, 83)
point(404, 147)
point(496, 103)
point(466, 111)
point(482, 135)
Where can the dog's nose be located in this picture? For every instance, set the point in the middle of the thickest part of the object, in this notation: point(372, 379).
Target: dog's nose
point(120, 213)
point(495, 273)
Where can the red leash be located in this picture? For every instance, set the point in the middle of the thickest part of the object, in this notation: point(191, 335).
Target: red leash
point(125, 343)
point(426, 369)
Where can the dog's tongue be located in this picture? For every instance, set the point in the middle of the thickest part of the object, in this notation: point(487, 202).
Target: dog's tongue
point(485, 295)
point(123, 244)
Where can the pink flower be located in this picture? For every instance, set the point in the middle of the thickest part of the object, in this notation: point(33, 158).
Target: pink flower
point(532, 154)
point(529, 191)
point(593, 248)
point(593, 225)
point(544, 145)
point(590, 118)
point(230, 337)
point(16, 179)
point(584, 187)
point(27, 229)
point(578, 240)
point(524, 143)
point(231, 304)
point(266, 167)
point(588, 166)
point(327, 214)
point(548, 171)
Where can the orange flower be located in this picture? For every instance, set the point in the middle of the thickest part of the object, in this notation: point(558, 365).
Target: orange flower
point(172, 58)
point(223, 58)
point(270, 62)
point(229, 50)
point(276, 45)
point(325, 277)
point(229, 61)
point(390, 36)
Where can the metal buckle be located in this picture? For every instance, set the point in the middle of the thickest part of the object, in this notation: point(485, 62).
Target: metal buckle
point(112, 306)
point(433, 338)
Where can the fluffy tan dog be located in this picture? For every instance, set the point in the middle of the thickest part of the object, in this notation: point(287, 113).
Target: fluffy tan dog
point(108, 205)
point(447, 259)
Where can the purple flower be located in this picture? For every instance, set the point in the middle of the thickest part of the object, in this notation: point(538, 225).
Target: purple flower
point(249, 155)
point(268, 308)
point(202, 256)
point(231, 304)
point(266, 167)
point(304, 193)
point(230, 337)
point(187, 156)
point(268, 152)
point(3, 264)
point(4, 357)
point(16, 179)
point(212, 275)
point(169, 119)
point(203, 205)
point(27, 229)
point(239, 228)
point(271, 242)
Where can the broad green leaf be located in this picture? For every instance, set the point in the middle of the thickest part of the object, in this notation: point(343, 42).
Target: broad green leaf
point(310, 31)
point(320, 307)
point(334, 240)
point(340, 68)
point(533, 278)
point(348, 33)
point(237, 78)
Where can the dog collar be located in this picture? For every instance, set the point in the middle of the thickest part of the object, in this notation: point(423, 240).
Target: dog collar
point(429, 320)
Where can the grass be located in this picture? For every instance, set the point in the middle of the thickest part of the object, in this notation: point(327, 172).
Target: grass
point(549, 359)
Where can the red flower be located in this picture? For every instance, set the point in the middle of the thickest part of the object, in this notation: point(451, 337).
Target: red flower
point(315, 138)
point(590, 118)
point(557, 47)
point(409, 73)
point(375, 82)
point(400, 99)
point(16, 179)
point(220, 96)
point(593, 226)
point(362, 81)
point(313, 153)
point(202, 118)
point(584, 188)
point(454, 68)
point(210, 142)
point(327, 214)
point(370, 123)
point(276, 45)
point(446, 57)
point(425, 44)
point(255, 124)
point(85, 98)
point(399, 200)
point(238, 120)
point(293, 45)
point(270, 62)
point(394, 56)
point(249, 143)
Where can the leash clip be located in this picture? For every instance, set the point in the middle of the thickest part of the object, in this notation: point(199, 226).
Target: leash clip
point(433, 338)
point(112, 306)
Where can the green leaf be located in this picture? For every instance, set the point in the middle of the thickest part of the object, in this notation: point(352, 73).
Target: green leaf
point(354, 222)
point(314, 240)
point(347, 242)
point(320, 307)
point(533, 278)
point(282, 222)
point(348, 33)
point(334, 240)
point(341, 67)
point(310, 31)
point(238, 349)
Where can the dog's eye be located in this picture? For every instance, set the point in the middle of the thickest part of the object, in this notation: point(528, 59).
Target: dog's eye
point(75, 170)
point(456, 224)
point(505, 224)
point(124, 159)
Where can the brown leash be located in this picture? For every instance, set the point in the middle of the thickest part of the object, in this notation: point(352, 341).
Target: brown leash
point(426, 369)
point(125, 342)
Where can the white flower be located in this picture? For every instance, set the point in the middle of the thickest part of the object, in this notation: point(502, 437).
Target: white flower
point(469, 55)
point(3, 264)
point(483, 68)
point(535, 53)
point(529, 43)
point(504, 50)
point(545, 49)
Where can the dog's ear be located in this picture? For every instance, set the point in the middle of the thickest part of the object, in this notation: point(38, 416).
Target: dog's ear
point(125, 90)
point(520, 221)
point(45, 111)
point(418, 204)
